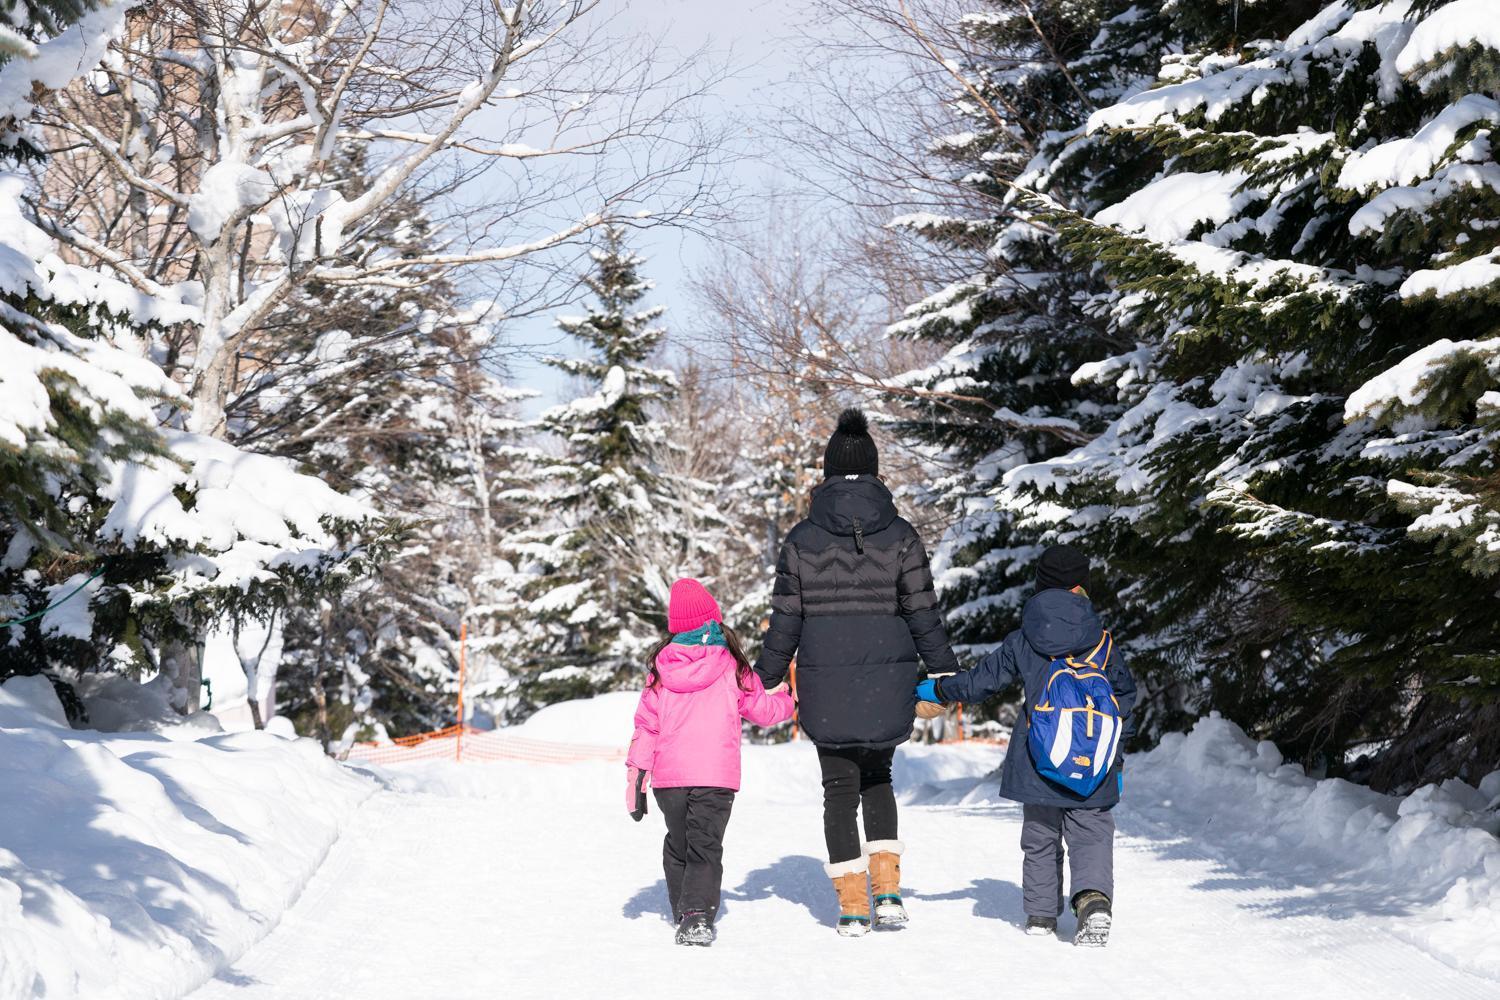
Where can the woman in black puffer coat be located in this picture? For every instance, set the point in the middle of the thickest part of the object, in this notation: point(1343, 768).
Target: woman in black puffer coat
point(854, 603)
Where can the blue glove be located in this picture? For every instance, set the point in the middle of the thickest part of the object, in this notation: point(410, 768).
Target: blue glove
point(928, 691)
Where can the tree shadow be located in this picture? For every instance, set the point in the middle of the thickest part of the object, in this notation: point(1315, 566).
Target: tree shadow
point(74, 834)
point(236, 979)
point(83, 840)
point(144, 761)
point(994, 899)
point(647, 901)
point(798, 879)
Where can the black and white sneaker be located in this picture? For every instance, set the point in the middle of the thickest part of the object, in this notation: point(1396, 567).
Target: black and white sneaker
point(1041, 926)
point(1093, 919)
point(696, 929)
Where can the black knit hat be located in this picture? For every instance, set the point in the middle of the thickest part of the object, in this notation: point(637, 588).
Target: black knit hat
point(1062, 567)
point(851, 450)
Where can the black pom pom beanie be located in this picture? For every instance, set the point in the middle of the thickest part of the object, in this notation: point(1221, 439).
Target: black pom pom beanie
point(851, 450)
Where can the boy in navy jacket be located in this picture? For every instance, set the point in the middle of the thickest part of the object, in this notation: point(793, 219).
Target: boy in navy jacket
point(1058, 620)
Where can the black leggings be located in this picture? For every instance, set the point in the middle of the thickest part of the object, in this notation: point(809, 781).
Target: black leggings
point(853, 777)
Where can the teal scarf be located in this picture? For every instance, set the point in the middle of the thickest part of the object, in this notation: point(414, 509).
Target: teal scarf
point(709, 634)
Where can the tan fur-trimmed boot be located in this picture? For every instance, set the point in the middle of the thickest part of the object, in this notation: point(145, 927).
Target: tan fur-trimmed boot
point(851, 881)
point(885, 882)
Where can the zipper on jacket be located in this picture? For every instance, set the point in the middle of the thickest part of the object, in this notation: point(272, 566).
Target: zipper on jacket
point(859, 537)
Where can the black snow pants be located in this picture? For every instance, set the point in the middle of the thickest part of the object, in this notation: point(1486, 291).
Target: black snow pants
point(855, 777)
point(692, 855)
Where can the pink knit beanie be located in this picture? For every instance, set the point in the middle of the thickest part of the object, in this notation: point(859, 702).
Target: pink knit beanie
point(690, 606)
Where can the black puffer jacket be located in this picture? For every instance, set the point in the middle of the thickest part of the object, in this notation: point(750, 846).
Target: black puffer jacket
point(854, 604)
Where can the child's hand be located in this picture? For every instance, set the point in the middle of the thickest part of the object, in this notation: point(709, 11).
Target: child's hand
point(778, 688)
point(635, 792)
point(929, 700)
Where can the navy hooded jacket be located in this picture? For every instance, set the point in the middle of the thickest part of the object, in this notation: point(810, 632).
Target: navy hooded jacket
point(854, 603)
point(1053, 623)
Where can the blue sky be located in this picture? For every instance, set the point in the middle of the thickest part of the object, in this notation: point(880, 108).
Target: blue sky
point(749, 39)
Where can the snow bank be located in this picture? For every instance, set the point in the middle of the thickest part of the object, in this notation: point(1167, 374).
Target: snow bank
point(781, 772)
point(118, 704)
point(137, 866)
point(1428, 864)
point(606, 720)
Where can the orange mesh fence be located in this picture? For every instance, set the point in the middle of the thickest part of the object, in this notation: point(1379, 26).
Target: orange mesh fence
point(464, 743)
point(481, 746)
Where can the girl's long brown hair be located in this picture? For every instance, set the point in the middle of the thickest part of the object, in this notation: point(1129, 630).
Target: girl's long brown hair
point(736, 649)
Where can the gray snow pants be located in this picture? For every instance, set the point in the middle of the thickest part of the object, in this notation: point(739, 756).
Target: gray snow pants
point(1090, 838)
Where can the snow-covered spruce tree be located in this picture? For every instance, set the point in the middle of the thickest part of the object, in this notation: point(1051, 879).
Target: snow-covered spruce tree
point(1306, 256)
point(71, 407)
point(383, 656)
point(122, 541)
point(611, 523)
point(1015, 328)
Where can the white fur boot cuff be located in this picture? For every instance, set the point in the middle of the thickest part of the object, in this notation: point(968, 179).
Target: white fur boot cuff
point(855, 866)
point(884, 846)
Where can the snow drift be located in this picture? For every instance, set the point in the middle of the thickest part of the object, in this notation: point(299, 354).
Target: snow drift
point(137, 865)
point(1427, 864)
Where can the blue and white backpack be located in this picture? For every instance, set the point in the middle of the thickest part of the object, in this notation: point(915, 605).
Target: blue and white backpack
point(1076, 725)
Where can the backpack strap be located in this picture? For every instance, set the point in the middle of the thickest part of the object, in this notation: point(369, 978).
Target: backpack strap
point(1096, 660)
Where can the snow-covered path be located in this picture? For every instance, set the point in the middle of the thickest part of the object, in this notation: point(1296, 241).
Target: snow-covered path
point(531, 882)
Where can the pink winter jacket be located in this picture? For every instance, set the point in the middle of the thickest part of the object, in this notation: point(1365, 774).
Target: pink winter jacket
point(687, 727)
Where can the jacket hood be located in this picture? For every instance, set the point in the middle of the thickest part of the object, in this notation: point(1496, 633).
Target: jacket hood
point(839, 501)
point(692, 668)
point(1060, 622)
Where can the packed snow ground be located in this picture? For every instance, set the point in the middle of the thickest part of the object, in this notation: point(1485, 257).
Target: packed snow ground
point(142, 864)
point(1237, 877)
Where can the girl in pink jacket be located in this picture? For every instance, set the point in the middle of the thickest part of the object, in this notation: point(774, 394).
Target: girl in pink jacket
point(687, 746)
